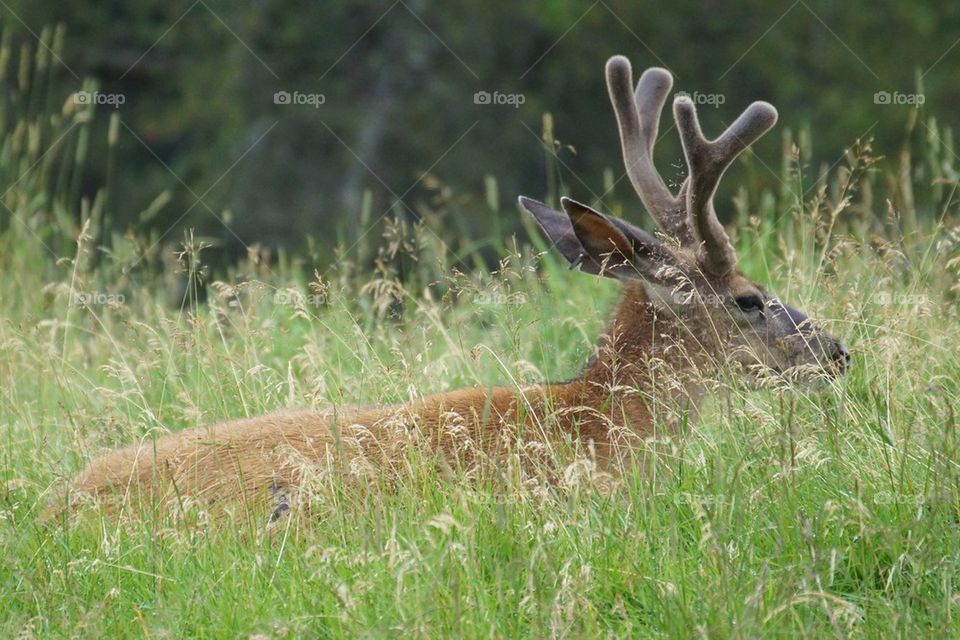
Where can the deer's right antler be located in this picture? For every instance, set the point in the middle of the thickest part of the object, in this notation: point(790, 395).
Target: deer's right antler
point(689, 216)
point(638, 117)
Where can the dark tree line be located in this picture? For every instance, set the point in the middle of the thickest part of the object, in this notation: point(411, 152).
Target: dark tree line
point(398, 82)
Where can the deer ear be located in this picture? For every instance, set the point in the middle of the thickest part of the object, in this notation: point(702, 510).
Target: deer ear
point(604, 245)
point(601, 240)
point(558, 228)
point(621, 249)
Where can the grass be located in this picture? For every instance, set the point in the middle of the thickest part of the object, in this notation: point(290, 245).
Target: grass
point(817, 511)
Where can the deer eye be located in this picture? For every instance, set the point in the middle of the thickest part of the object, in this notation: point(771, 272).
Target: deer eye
point(749, 303)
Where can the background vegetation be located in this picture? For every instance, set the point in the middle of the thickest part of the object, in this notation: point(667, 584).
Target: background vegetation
point(198, 79)
point(819, 511)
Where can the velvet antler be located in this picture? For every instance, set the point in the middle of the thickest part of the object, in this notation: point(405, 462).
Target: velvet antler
point(689, 216)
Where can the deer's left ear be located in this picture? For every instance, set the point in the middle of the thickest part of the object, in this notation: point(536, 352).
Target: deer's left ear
point(558, 229)
point(604, 245)
point(620, 249)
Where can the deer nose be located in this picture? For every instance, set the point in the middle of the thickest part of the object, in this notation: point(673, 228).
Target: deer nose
point(842, 357)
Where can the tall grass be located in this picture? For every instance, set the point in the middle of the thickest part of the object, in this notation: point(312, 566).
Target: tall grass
point(820, 511)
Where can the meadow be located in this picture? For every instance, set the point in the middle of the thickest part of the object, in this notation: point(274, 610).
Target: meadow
point(828, 510)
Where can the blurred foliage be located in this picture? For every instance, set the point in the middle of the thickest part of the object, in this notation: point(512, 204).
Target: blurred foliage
point(399, 120)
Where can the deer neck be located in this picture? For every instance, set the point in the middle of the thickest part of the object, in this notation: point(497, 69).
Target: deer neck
point(649, 354)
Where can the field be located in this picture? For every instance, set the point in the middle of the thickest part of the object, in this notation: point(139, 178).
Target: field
point(829, 510)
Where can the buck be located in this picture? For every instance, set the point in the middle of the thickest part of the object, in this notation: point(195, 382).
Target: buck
point(685, 312)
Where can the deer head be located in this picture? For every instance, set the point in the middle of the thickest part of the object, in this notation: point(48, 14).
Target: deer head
point(691, 274)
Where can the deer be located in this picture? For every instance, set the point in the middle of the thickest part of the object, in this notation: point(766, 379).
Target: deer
point(685, 311)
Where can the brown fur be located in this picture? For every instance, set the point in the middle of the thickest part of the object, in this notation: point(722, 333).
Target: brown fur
point(647, 373)
point(247, 460)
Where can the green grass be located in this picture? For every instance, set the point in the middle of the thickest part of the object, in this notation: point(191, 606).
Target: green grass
point(817, 511)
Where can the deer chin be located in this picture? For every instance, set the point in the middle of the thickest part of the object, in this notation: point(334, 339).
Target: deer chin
point(758, 373)
point(811, 375)
point(761, 376)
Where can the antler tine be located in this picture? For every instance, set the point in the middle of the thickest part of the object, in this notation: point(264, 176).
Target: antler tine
point(707, 160)
point(638, 118)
